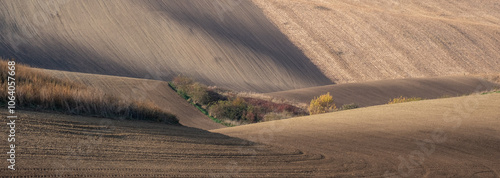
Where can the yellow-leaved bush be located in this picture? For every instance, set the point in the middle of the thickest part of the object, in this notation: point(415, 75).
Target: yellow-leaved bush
point(322, 104)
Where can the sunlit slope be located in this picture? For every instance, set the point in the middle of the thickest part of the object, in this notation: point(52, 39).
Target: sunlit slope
point(226, 43)
point(353, 41)
point(380, 92)
point(144, 90)
point(434, 138)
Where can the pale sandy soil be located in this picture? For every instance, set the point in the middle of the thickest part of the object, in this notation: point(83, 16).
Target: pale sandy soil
point(364, 40)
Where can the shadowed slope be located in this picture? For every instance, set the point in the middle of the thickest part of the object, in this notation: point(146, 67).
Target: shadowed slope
point(231, 46)
point(380, 92)
point(363, 40)
point(434, 138)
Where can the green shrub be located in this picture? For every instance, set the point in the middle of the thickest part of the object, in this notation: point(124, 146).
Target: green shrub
point(182, 83)
point(349, 106)
point(322, 104)
point(402, 99)
point(237, 110)
point(197, 92)
point(233, 111)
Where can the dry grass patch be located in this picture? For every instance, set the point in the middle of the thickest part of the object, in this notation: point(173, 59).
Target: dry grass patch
point(402, 99)
point(41, 92)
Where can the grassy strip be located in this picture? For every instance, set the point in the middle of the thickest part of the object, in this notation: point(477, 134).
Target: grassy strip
point(41, 92)
point(402, 99)
point(485, 93)
point(204, 111)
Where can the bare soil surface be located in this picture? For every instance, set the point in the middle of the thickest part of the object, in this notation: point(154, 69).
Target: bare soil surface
point(54, 145)
point(225, 43)
point(436, 138)
point(364, 40)
point(380, 92)
point(154, 91)
point(454, 137)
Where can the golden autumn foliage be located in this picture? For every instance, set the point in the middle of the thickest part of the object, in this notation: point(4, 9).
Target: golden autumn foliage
point(322, 104)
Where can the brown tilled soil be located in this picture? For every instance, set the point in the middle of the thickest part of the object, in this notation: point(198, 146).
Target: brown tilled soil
point(259, 45)
point(225, 42)
point(380, 92)
point(53, 145)
point(455, 137)
point(364, 40)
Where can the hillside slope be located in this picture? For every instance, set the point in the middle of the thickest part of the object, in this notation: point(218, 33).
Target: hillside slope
point(380, 92)
point(435, 138)
point(226, 43)
point(363, 40)
point(157, 92)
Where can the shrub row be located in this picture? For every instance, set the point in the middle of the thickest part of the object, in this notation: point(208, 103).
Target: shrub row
point(232, 109)
point(195, 91)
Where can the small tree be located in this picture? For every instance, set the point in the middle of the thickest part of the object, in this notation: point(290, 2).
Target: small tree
point(198, 93)
point(322, 104)
point(183, 83)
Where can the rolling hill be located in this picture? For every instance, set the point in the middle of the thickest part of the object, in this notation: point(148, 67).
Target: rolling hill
point(364, 52)
point(380, 92)
point(434, 138)
point(258, 46)
point(224, 43)
point(365, 40)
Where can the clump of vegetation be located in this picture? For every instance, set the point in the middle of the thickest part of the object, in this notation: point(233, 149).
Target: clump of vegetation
point(252, 110)
point(226, 108)
point(40, 92)
point(237, 109)
point(195, 91)
point(402, 99)
point(349, 106)
point(322, 104)
point(496, 90)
